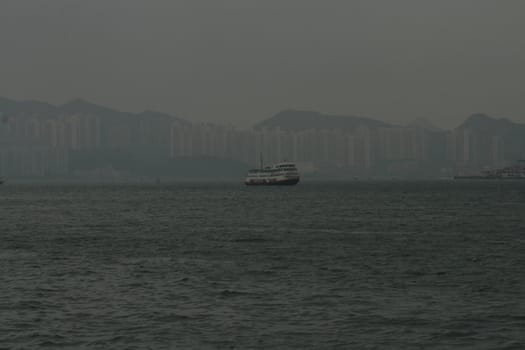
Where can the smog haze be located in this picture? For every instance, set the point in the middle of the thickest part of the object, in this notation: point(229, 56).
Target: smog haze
point(240, 61)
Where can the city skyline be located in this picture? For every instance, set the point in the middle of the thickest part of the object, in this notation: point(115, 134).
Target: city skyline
point(84, 140)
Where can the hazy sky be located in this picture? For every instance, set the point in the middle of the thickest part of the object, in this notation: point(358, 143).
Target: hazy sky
point(241, 61)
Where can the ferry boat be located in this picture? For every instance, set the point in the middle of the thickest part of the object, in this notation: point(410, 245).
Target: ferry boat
point(285, 173)
point(513, 172)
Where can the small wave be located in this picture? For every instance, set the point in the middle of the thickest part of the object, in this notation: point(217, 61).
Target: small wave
point(253, 240)
point(233, 293)
point(513, 345)
point(10, 254)
point(49, 344)
point(174, 317)
point(30, 305)
point(259, 272)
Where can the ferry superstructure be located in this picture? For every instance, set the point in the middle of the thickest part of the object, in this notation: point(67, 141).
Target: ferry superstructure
point(285, 173)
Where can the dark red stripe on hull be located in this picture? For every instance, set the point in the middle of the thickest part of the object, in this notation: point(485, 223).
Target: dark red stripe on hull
point(274, 183)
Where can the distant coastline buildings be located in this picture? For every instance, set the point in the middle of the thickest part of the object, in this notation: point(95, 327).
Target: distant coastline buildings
point(385, 151)
point(79, 139)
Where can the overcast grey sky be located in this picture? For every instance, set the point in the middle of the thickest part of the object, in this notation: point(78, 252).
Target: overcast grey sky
point(241, 61)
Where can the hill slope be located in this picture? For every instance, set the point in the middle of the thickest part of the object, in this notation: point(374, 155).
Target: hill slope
point(512, 134)
point(12, 108)
point(301, 120)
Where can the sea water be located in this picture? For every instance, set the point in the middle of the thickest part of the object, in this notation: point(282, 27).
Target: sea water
point(357, 265)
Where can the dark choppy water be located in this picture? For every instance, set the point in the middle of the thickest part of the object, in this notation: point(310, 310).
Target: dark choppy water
point(385, 265)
